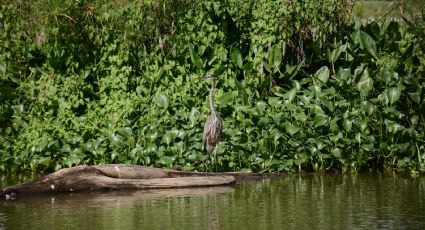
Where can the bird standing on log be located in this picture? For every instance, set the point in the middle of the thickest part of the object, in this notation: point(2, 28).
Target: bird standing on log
point(214, 125)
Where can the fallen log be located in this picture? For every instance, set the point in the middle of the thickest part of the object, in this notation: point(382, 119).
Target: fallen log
point(121, 176)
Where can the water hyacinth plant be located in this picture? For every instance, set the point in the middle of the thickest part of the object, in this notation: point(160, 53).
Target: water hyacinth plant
point(301, 85)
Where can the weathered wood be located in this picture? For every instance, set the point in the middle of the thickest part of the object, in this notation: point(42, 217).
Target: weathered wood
point(120, 176)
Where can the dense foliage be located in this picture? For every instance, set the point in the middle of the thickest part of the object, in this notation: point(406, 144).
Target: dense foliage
point(300, 86)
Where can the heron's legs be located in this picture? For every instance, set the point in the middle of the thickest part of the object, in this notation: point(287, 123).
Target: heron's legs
point(207, 162)
point(215, 160)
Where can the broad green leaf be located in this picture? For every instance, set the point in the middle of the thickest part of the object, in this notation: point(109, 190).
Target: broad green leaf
point(219, 70)
point(66, 148)
point(242, 92)
point(73, 140)
point(227, 97)
point(343, 74)
point(300, 116)
point(365, 84)
point(236, 57)
point(162, 100)
point(17, 109)
point(194, 116)
point(328, 104)
point(300, 158)
point(358, 137)
point(365, 41)
point(319, 120)
point(336, 137)
point(169, 137)
point(393, 94)
point(45, 161)
point(166, 160)
point(275, 57)
point(335, 53)
point(322, 74)
point(126, 131)
point(261, 106)
point(388, 75)
point(368, 107)
point(392, 126)
point(316, 109)
point(276, 136)
point(116, 139)
point(336, 152)
point(334, 124)
point(363, 125)
point(290, 95)
point(194, 57)
point(416, 96)
point(275, 101)
point(347, 124)
point(291, 129)
point(249, 65)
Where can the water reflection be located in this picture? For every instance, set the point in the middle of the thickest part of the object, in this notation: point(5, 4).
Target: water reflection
point(308, 202)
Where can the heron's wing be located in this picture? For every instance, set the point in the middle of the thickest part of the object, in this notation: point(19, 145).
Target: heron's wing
point(212, 132)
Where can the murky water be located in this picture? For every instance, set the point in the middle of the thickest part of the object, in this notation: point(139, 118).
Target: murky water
point(368, 201)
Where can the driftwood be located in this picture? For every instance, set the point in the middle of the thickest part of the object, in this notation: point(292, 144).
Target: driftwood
point(120, 177)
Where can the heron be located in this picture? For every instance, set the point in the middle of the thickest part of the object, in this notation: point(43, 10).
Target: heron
point(214, 125)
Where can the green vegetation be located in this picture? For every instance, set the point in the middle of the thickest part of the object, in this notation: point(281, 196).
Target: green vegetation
point(391, 8)
point(300, 87)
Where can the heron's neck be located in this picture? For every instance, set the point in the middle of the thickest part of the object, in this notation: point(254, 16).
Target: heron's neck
point(212, 96)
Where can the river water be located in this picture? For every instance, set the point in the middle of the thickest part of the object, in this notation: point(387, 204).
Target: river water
point(364, 201)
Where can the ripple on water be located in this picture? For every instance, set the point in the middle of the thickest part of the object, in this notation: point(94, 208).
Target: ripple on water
point(370, 201)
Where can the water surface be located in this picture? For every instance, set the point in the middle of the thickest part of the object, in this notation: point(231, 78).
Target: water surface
point(368, 201)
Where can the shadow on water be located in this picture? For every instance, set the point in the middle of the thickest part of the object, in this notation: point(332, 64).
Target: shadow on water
point(365, 201)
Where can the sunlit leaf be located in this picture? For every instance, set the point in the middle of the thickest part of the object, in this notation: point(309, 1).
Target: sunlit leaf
point(347, 124)
point(343, 74)
point(322, 74)
point(358, 137)
point(365, 41)
point(275, 56)
point(335, 53)
point(416, 96)
point(116, 139)
point(368, 107)
point(126, 131)
point(394, 94)
point(392, 126)
point(66, 148)
point(194, 116)
point(334, 124)
point(316, 109)
point(388, 75)
point(291, 129)
point(365, 84)
point(329, 105)
point(45, 161)
point(194, 57)
point(336, 152)
point(261, 106)
point(319, 120)
point(236, 57)
point(162, 100)
point(290, 95)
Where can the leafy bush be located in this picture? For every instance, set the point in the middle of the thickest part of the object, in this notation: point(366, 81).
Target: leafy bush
point(300, 88)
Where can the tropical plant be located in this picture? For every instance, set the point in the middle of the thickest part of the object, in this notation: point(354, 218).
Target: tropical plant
point(300, 86)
